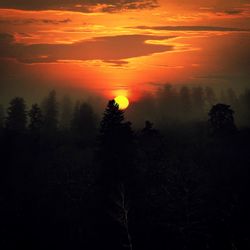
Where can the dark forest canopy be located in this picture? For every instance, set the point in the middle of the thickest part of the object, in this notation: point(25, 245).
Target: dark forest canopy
point(74, 179)
point(168, 106)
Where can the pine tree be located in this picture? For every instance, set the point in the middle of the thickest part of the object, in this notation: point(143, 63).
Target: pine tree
point(152, 148)
point(185, 101)
point(75, 117)
point(83, 125)
point(116, 145)
point(16, 116)
point(221, 120)
point(50, 113)
point(116, 154)
point(245, 99)
point(36, 119)
point(168, 98)
point(66, 113)
point(1, 117)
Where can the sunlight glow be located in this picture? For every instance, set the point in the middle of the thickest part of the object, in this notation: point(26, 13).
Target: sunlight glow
point(122, 102)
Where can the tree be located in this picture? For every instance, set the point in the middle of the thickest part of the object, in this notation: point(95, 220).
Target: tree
point(185, 101)
point(168, 98)
point(116, 144)
point(75, 117)
point(245, 107)
point(66, 112)
point(50, 111)
point(16, 116)
point(1, 117)
point(151, 148)
point(120, 213)
point(83, 124)
point(116, 155)
point(186, 208)
point(221, 120)
point(36, 119)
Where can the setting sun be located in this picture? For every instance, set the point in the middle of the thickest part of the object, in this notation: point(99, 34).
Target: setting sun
point(122, 102)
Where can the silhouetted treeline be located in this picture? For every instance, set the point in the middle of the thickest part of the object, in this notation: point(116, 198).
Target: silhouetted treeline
point(70, 180)
point(172, 105)
point(169, 106)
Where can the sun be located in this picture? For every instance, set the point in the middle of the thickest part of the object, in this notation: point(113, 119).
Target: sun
point(122, 102)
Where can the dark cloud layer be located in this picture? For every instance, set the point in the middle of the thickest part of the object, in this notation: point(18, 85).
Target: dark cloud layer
point(109, 49)
point(116, 63)
point(233, 12)
point(78, 5)
point(190, 28)
point(33, 21)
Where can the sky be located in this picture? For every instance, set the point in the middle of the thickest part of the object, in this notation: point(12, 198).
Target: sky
point(122, 47)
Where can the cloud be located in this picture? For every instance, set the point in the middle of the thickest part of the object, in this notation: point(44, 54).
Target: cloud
point(116, 63)
point(79, 5)
point(233, 12)
point(110, 49)
point(190, 28)
point(33, 21)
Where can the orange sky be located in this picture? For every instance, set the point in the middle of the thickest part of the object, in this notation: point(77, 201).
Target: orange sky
point(125, 47)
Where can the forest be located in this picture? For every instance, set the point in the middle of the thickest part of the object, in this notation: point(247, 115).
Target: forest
point(170, 172)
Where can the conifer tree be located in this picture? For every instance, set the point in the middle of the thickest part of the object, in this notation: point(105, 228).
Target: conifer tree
point(83, 124)
point(66, 112)
point(116, 145)
point(116, 153)
point(36, 119)
point(221, 120)
point(1, 117)
point(50, 113)
point(16, 116)
point(185, 98)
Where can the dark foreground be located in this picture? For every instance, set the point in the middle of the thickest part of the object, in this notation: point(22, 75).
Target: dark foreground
point(183, 187)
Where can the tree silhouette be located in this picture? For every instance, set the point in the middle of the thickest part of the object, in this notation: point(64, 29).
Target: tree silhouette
point(151, 149)
point(116, 144)
point(16, 116)
point(116, 156)
point(125, 190)
point(75, 117)
point(2, 122)
point(1, 117)
point(168, 98)
point(50, 113)
point(186, 208)
point(120, 213)
point(185, 99)
point(245, 102)
point(66, 112)
point(36, 120)
point(221, 120)
point(83, 124)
